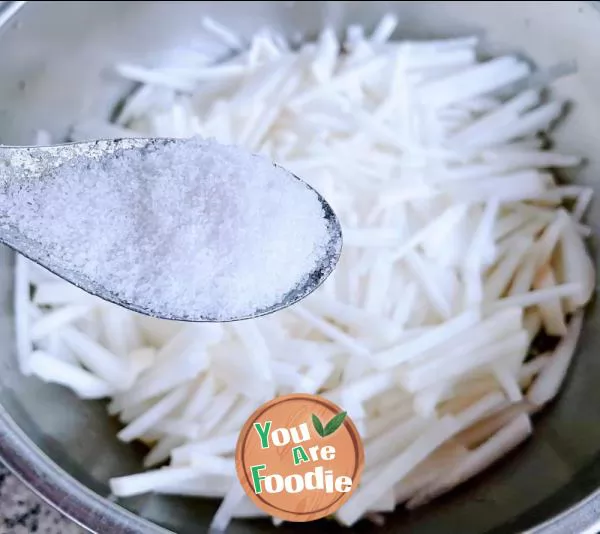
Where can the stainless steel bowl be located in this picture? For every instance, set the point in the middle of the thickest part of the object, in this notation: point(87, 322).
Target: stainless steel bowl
point(55, 69)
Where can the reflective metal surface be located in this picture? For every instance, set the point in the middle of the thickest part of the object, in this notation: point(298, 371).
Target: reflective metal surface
point(29, 163)
point(56, 59)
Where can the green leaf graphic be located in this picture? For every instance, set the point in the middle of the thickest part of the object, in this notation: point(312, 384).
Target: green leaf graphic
point(334, 424)
point(317, 424)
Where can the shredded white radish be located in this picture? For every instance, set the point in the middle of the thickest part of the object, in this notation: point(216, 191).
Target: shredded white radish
point(144, 482)
point(457, 255)
point(83, 383)
point(476, 461)
point(552, 375)
point(22, 314)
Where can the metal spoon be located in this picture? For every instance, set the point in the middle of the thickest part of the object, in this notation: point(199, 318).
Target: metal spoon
point(31, 163)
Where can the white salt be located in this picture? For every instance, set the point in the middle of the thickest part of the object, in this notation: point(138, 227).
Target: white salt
point(192, 227)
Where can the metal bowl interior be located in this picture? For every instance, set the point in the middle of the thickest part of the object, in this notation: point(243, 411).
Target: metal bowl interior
point(56, 59)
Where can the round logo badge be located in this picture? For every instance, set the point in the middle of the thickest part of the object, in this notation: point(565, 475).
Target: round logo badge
point(299, 457)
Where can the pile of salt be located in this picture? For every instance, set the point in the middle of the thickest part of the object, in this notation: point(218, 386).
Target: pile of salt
point(194, 226)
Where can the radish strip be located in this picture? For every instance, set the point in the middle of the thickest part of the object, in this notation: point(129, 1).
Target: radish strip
point(162, 450)
point(218, 445)
point(154, 415)
point(429, 471)
point(495, 448)
point(223, 33)
point(406, 351)
point(207, 486)
point(482, 430)
point(538, 296)
point(96, 358)
point(232, 500)
point(475, 81)
point(128, 486)
point(394, 439)
point(548, 382)
point(85, 384)
point(421, 377)
point(395, 470)
point(22, 318)
point(332, 332)
point(57, 319)
point(551, 311)
point(58, 293)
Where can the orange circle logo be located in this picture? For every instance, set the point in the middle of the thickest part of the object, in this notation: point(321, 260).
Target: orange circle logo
point(299, 457)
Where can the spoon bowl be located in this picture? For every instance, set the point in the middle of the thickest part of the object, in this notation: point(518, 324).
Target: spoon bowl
point(29, 163)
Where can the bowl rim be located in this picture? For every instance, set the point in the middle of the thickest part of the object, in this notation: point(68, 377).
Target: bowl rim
point(63, 492)
point(98, 514)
